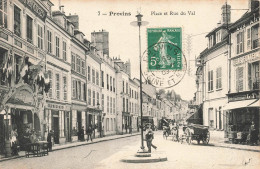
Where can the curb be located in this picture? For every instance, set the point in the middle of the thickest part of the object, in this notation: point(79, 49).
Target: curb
point(154, 160)
point(236, 148)
point(72, 146)
point(62, 148)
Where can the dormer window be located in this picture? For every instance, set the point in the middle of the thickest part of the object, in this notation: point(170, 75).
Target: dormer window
point(218, 36)
point(211, 41)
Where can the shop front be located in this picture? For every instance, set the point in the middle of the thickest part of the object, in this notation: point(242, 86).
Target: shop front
point(241, 112)
point(20, 114)
point(57, 117)
point(78, 114)
point(95, 119)
point(126, 122)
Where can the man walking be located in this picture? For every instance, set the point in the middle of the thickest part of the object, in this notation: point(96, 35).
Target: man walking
point(149, 138)
point(89, 133)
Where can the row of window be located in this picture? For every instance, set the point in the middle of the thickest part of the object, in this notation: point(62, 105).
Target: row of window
point(93, 76)
point(252, 39)
point(57, 46)
point(253, 77)
point(58, 84)
point(133, 107)
point(218, 79)
point(94, 100)
point(78, 90)
point(133, 94)
point(110, 124)
point(78, 64)
point(111, 105)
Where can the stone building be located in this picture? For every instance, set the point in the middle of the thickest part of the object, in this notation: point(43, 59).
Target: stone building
point(24, 82)
point(213, 73)
point(243, 96)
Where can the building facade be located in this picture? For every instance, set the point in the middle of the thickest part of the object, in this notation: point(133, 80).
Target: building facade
point(24, 80)
point(243, 98)
point(213, 74)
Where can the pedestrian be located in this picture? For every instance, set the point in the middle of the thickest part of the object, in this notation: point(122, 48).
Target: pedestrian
point(130, 130)
point(82, 134)
point(149, 138)
point(14, 143)
point(89, 133)
point(253, 134)
point(49, 140)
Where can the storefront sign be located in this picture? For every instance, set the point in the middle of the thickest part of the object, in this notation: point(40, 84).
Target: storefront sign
point(35, 8)
point(247, 58)
point(243, 96)
point(54, 106)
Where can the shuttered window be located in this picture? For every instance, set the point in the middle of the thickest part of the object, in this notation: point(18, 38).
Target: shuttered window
point(239, 79)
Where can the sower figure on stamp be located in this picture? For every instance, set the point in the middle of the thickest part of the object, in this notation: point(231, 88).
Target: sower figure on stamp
point(149, 138)
point(161, 46)
point(89, 133)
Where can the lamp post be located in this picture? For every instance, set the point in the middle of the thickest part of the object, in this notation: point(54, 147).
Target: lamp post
point(140, 23)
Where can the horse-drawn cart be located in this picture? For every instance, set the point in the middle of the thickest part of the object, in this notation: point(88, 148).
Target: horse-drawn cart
point(194, 132)
point(199, 133)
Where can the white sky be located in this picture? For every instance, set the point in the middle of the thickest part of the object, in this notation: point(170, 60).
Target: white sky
point(123, 37)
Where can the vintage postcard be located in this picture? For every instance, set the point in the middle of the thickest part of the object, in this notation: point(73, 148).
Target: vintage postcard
point(129, 84)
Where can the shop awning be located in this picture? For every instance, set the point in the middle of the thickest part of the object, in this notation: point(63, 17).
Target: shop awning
point(255, 104)
point(239, 104)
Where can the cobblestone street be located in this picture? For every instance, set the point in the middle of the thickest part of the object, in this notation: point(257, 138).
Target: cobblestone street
point(108, 154)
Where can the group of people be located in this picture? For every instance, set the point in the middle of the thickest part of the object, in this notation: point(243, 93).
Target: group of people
point(89, 133)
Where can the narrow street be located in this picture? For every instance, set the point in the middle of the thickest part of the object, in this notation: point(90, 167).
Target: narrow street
point(108, 154)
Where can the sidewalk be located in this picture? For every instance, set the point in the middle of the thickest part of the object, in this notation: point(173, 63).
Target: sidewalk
point(74, 144)
point(218, 140)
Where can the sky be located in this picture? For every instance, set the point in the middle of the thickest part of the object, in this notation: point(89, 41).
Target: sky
point(123, 37)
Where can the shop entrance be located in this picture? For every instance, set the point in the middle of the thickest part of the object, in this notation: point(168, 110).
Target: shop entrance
point(79, 120)
point(22, 121)
point(56, 129)
point(55, 126)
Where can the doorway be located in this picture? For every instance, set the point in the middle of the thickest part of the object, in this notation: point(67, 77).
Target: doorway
point(79, 121)
point(68, 130)
point(56, 129)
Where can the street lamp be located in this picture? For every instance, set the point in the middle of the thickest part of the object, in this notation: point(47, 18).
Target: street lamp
point(140, 23)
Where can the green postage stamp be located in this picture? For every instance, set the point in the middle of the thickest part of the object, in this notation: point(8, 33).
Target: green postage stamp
point(164, 48)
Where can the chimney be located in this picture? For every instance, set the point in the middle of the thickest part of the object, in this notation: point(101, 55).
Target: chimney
point(75, 20)
point(128, 67)
point(253, 4)
point(61, 8)
point(226, 14)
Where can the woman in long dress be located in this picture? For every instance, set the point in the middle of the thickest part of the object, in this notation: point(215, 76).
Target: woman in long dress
point(162, 47)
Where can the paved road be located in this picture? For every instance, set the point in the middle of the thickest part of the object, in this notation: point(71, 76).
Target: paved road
point(107, 155)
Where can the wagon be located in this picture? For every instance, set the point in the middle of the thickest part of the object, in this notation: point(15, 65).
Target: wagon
point(199, 133)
